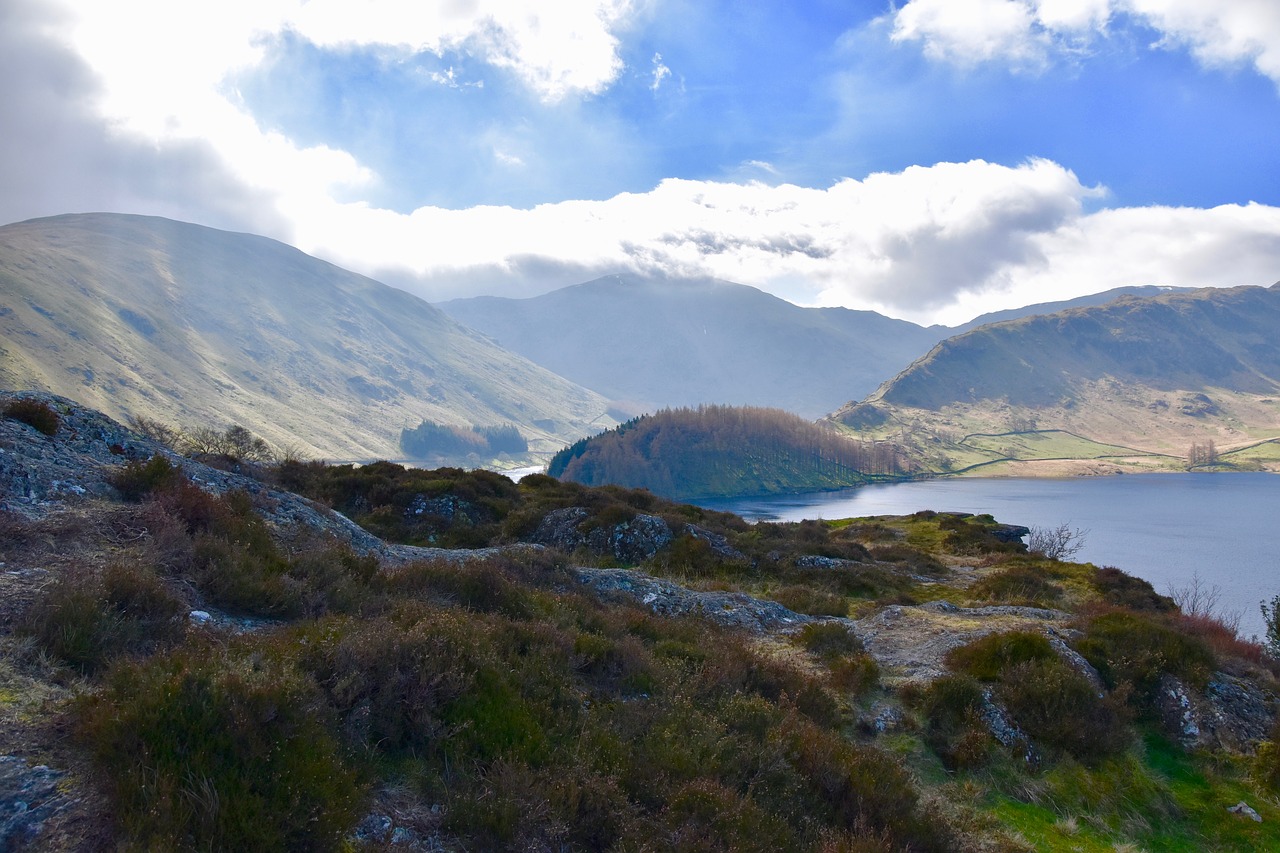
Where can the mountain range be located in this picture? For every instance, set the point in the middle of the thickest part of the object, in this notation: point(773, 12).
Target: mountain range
point(652, 343)
point(141, 315)
point(1136, 382)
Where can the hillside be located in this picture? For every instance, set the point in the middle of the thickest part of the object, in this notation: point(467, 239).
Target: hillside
point(193, 658)
point(720, 451)
point(1091, 299)
point(655, 343)
point(146, 316)
point(1135, 382)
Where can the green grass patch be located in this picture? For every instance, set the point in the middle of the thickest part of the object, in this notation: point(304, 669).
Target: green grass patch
point(1049, 444)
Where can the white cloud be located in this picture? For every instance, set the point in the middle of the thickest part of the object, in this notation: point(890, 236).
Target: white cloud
point(660, 72)
point(932, 244)
point(163, 68)
point(1027, 32)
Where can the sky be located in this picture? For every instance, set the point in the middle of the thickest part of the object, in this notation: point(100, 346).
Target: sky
point(929, 159)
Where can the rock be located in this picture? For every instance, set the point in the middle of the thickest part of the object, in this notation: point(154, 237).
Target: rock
point(200, 617)
point(627, 542)
point(449, 507)
point(813, 561)
point(1230, 714)
point(732, 609)
point(1244, 810)
point(559, 529)
point(884, 718)
point(28, 797)
point(719, 545)
point(1010, 532)
point(1178, 713)
point(1241, 715)
point(632, 541)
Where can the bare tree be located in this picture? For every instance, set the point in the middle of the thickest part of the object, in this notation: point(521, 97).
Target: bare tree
point(1200, 600)
point(169, 436)
point(1056, 543)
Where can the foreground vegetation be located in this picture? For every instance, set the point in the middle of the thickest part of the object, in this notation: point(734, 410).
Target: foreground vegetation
point(494, 702)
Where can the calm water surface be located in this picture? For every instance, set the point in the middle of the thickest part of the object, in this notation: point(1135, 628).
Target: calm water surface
point(1165, 528)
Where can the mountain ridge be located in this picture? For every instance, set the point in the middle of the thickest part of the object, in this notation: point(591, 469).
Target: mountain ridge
point(651, 343)
point(1158, 374)
point(144, 315)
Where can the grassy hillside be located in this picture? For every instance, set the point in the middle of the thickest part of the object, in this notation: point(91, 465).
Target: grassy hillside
point(715, 451)
point(1140, 380)
point(657, 343)
point(139, 315)
point(197, 668)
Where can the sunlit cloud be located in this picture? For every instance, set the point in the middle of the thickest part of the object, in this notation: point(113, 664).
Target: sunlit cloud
point(1030, 32)
point(931, 244)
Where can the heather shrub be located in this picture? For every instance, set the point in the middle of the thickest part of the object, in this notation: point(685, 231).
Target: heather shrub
point(1124, 590)
point(1061, 711)
point(829, 640)
point(1020, 584)
point(482, 586)
point(137, 479)
point(704, 815)
point(389, 680)
point(1265, 766)
point(1138, 650)
point(987, 657)
point(954, 728)
point(811, 601)
point(856, 674)
point(33, 413)
point(87, 618)
point(210, 750)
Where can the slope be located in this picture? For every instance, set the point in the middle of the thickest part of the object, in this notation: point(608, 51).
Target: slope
point(141, 315)
point(1154, 375)
point(653, 343)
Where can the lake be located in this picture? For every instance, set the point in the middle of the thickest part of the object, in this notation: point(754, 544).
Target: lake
point(1166, 528)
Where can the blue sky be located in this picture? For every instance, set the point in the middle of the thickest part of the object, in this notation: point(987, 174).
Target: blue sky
point(930, 159)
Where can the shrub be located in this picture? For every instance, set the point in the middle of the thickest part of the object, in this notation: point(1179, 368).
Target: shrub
point(1266, 761)
point(33, 413)
point(857, 674)
point(954, 727)
point(1056, 543)
point(1124, 590)
point(1271, 617)
point(1061, 711)
point(830, 640)
point(987, 657)
point(1138, 650)
point(86, 619)
point(811, 601)
point(137, 479)
point(205, 750)
point(1023, 585)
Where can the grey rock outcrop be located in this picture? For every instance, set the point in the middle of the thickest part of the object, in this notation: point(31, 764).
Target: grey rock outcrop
point(732, 609)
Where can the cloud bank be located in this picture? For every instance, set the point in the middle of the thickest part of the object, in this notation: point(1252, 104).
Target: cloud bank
point(111, 114)
point(1028, 33)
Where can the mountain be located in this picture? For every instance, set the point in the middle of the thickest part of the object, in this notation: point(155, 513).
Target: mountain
point(652, 343)
point(1137, 381)
point(1054, 307)
point(190, 325)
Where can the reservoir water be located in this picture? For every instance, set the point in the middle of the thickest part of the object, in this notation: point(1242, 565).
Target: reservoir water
point(1166, 528)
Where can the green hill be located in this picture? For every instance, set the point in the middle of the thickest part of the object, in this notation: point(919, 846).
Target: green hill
point(145, 316)
point(1138, 380)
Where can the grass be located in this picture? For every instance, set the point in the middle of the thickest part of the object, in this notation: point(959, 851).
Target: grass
point(1047, 444)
